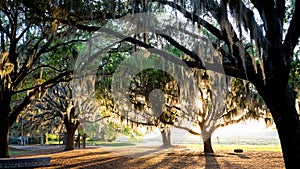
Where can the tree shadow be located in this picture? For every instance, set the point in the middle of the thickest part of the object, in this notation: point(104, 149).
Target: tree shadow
point(147, 153)
point(86, 154)
point(150, 159)
point(161, 158)
point(239, 155)
point(96, 163)
point(211, 161)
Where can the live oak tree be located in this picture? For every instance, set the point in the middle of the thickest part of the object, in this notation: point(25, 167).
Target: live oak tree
point(248, 35)
point(241, 103)
point(254, 47)
point(37, 52)
point(162, 115)
point(155, 92)
point(58, 102)
point(269, 70)
point(108, 120)
point(28, 61)
point(59, 105)
point(234, 24)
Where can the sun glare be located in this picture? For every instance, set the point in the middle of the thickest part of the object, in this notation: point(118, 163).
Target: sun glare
point(198, 104)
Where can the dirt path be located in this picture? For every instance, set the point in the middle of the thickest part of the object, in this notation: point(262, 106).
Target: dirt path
point(140, 157)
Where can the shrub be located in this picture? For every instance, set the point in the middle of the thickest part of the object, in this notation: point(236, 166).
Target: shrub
point(52, 137)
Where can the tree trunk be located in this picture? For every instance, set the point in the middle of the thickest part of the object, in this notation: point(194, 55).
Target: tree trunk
point(166, 138)
point(70, 138)
point(4, 133)
point(282, 106)
point(207, 146)
point(84, 140)
point(4, 121)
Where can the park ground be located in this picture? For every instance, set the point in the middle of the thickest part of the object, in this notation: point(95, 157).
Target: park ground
point(127, 156)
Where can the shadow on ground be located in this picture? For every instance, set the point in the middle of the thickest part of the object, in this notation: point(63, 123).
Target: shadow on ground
point(143, 157)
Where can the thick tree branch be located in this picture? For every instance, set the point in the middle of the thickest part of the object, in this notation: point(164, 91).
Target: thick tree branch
point(238, 52)
point(188, 129)
point(192, 54)
point(151, 48)
point(266, 11)
point(228, 67)
point(280, 10)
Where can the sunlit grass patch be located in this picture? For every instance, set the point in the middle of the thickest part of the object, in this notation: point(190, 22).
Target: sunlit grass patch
point(113, 144)
point(248, 147)
point(14, 152)
point(18, 152)
point(276, 148)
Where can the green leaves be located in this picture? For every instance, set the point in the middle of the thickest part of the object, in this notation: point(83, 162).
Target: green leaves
point(294, 77)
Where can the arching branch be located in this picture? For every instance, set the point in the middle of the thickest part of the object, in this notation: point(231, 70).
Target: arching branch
point(188, 130)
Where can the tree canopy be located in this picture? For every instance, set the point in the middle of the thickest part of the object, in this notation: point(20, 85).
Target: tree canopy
point(253, 40)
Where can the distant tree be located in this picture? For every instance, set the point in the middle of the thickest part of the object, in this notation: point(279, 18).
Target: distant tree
point(28, 125)
point(58, 106)
point(142, 84)
point(241, 103)
point(58, 102)
point(162, 106)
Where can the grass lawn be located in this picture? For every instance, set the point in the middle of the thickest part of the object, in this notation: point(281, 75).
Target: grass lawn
point(276, 148)
point(101, 143)
point(15, 152)
point(113, 144)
